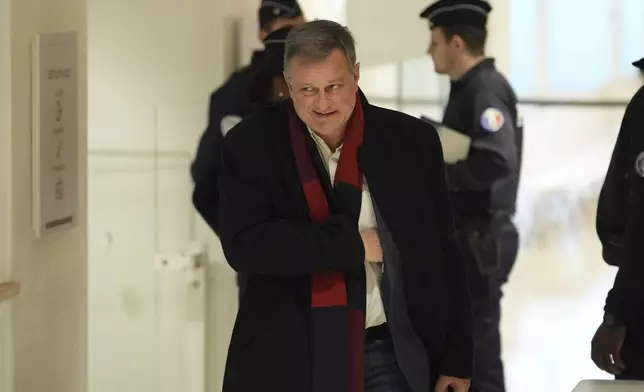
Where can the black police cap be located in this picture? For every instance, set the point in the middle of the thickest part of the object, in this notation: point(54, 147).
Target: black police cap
point(444, 13)
point(270, 10)
point(276, 39)
point(639, 64)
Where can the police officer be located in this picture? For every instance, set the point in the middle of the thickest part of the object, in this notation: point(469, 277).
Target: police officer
point(265, 85)
point(483, 106)
point(612, 209)
point(618, 344)
point(229, 104)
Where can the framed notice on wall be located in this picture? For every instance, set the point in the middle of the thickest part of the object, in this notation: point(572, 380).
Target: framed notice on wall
point(55, 132)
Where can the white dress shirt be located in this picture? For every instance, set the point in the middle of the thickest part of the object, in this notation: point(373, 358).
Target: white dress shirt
point(375, 311)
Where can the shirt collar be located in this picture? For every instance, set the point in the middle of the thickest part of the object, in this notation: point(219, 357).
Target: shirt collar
point(320, 143)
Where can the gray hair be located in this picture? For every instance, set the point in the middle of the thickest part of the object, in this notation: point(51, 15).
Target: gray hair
point(315, 41)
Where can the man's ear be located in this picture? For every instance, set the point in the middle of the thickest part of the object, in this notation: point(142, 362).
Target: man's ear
point(356, 72)
point(458, 42)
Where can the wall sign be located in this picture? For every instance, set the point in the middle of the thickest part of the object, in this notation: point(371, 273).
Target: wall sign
point(55, 132)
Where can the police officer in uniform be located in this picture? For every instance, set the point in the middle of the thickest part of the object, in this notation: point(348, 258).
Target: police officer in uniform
point(265, 85)
point(483, 106)
point(618, 344)
point(228, 104)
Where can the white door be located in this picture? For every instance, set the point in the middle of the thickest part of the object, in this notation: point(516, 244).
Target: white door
point(146, 300)
point(162, 301)
point(153, 327)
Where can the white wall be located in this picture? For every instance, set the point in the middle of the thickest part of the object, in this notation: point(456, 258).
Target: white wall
point(152, 67)
point(6, 350)
point(48, 319)
point(386, 32)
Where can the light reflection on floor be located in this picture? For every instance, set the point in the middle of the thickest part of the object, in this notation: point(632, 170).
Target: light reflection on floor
point(553, 304)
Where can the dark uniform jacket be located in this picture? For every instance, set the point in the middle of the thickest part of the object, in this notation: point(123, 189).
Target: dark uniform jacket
point(267, 235)
point(228, 105)
point(620, 216)
point(483, 106)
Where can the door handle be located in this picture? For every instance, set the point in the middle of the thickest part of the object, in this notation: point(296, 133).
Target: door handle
point(191, 259)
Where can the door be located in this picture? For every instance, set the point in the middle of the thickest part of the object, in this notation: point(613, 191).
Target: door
point(154, 326)
point(141, 310)
point(161, 300)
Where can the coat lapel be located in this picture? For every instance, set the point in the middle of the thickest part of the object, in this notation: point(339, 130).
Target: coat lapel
point(375, 162)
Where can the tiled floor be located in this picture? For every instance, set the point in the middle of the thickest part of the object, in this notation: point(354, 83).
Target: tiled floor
point(553, 304)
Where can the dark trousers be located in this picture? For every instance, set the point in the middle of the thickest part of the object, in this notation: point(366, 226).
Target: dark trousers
point(486, 290)
point(382, 373)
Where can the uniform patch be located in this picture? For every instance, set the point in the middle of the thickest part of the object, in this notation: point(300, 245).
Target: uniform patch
point(492, 119)
point(228, 123)
point(639, 164)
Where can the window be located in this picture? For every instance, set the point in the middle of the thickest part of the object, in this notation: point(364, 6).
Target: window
point(524, 48)
point(580, 57)
point(380, 81)
point(335, 10)
point(631, 35)
point(420, 81)
point(573, 48)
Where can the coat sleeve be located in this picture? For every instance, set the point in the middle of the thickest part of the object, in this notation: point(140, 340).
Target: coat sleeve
point(256, 239)
point(458, 357)
point(493, 151)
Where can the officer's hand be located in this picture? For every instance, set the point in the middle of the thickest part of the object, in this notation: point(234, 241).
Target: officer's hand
point(452, 384)
point(606, 347)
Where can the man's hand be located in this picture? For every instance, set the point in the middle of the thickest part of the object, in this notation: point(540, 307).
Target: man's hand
point(606, 346)
point(371, 241)
point(452, 384)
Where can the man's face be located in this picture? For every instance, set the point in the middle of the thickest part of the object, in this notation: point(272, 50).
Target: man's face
point(442, 51)
point(324, 93)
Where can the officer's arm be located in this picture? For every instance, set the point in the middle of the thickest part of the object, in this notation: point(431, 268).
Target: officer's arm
point(222, 117)
point(626, 299)
point(206, 165)
point(612, 207)
point(493, 152)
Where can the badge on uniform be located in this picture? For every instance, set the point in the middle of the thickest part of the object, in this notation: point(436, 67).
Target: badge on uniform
point(492, 119)
point(228, 123)
point(639, 164)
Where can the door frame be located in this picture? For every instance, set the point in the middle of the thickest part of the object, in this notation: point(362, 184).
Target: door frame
point(6, 341)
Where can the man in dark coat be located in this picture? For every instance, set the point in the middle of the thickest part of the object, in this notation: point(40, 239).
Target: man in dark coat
point(338, 214)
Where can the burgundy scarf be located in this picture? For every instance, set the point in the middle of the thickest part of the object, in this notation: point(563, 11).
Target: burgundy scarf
point(337, 298)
